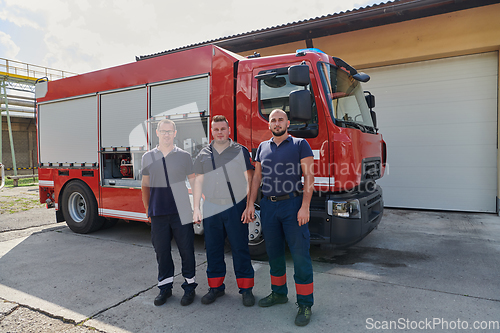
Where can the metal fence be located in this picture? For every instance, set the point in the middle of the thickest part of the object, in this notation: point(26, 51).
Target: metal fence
point(32, 71)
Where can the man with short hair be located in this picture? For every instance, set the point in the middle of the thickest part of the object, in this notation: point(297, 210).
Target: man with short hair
point(166, 200)
point(280, 164)
point(223, 174)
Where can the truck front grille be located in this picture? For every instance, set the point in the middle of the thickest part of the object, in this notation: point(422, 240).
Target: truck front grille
point(371, 169)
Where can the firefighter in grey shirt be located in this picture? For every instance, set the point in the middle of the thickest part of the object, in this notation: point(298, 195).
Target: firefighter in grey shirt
point(223, 172)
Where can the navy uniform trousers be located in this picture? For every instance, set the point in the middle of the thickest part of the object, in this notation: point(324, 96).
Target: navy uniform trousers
point(220, 221)
point(279, 223)
point(163, 229)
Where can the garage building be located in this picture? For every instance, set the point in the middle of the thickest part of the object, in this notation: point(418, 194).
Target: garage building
point(434, 69)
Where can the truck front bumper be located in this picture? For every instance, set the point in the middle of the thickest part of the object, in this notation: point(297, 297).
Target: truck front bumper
point(345, 219)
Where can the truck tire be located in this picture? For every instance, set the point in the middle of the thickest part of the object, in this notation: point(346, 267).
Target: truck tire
point(256, 242)
point(79, 208)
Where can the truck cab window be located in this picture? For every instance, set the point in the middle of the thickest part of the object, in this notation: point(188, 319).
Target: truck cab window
point(273, 94)
point(345, 99)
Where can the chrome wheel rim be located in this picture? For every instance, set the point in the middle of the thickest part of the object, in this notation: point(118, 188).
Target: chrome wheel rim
point(77, 207)
point(255, 235)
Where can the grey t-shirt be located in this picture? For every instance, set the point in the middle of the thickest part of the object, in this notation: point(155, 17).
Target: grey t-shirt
point(236, 159)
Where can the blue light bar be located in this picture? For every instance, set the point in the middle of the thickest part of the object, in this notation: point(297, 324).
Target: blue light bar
point(314, 50)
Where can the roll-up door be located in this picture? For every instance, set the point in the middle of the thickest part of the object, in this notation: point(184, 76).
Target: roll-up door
point(185, 101)
point(180, 97)
point(439, 120)
point(123, 118)
point(68, 131)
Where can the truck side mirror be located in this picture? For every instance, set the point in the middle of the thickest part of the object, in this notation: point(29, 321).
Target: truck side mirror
point(370, 100)
point(300, 105)
point(299, 74)
point(374, 118)
point(361, 77)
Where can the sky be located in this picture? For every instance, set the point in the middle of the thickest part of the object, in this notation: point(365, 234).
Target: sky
point(85, 35)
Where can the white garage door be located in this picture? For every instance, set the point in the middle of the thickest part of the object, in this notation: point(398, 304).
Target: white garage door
point(439, 120)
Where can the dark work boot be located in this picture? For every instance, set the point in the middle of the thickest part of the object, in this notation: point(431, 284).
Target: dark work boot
point(303, 316)
point(188, 297)
point(162, 296)
point(212, 295)
point(273, 299)
point(248, 298)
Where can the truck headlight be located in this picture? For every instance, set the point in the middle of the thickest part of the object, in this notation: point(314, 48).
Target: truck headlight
point(349, 208)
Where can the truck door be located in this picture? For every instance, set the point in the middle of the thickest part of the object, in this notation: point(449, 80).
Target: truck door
point(272, 93)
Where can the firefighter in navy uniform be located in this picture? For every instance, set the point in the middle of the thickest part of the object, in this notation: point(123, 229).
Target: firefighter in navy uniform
point(280, 164)
point(223, 174)
point(166, 199)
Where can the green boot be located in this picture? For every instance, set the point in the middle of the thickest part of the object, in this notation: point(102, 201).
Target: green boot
point(303, 316)
point(273, 299)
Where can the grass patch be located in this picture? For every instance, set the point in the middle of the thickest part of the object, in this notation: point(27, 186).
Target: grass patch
point(12, 201)
point(21, 182)
point(14, 204)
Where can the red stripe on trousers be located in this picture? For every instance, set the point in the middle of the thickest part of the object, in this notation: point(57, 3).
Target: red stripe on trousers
point(215, 282)
point(245, 283)
point(304, 289)
point(278, 280)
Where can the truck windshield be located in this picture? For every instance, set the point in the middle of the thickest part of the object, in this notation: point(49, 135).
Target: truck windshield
point(345, 98)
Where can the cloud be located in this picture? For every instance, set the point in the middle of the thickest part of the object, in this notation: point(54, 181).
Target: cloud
point(89, 35)
point(8, 48)
point(16, 18)
point(86, 35)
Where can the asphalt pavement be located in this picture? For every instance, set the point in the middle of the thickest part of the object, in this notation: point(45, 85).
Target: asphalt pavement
point(419, 270)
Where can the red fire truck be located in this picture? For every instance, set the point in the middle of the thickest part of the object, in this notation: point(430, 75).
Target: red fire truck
point(94, 128)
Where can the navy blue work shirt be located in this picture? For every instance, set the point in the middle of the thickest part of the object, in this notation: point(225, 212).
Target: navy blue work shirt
point(168, 193)
point(281, 170)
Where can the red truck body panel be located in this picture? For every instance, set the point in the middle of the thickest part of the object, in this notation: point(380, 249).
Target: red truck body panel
point(126, 203)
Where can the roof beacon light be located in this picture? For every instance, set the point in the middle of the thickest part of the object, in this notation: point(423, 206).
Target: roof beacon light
point(302, 52)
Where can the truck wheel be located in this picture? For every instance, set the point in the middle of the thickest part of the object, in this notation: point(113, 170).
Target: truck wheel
point(256, 242)
point(79, 208)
